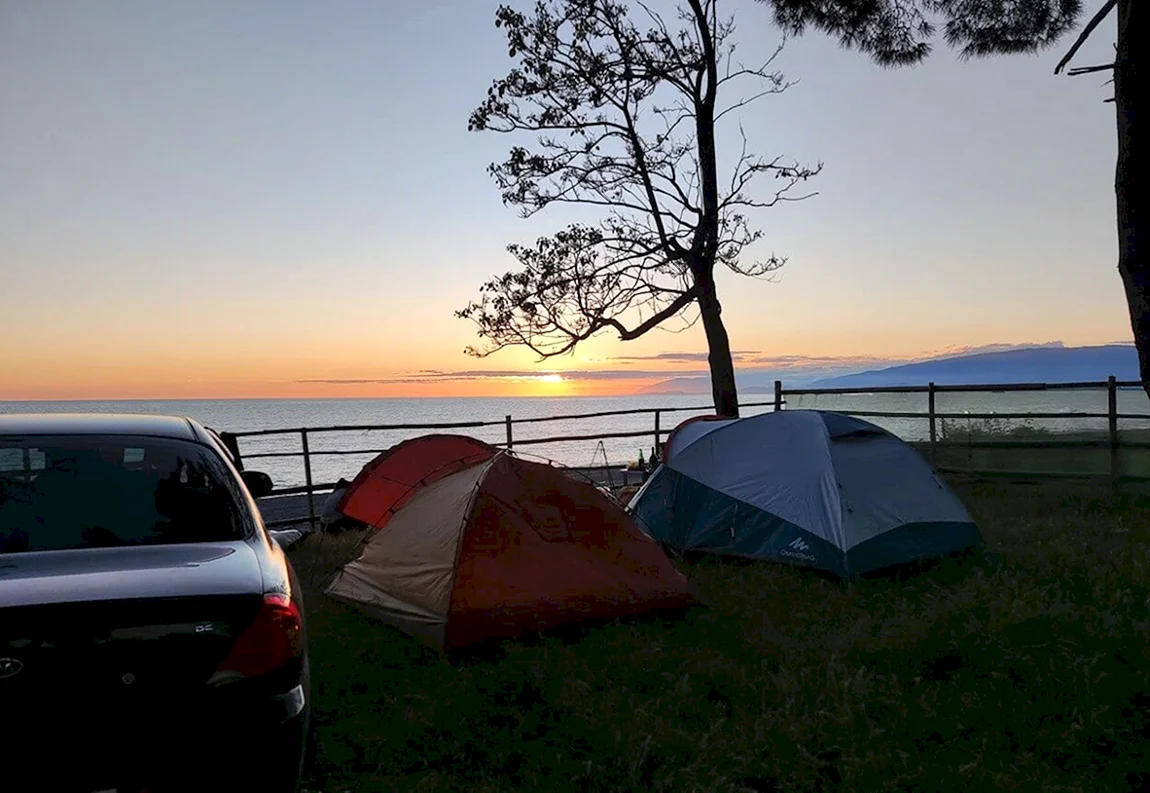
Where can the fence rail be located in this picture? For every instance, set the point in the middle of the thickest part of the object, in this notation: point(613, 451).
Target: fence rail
point(939, 449)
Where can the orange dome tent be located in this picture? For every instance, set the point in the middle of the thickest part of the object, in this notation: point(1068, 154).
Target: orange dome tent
point(387, 482)
point(478, 543)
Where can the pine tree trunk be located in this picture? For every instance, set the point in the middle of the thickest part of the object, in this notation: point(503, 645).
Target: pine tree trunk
point(1129, 188)
point(723, 389)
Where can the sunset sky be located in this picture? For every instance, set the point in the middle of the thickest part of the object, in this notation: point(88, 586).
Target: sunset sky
point(274, 198)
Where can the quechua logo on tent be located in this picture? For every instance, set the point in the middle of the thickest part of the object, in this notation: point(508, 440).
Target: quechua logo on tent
point(797, 549)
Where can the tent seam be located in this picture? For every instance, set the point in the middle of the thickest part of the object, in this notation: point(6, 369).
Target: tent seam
point(462, 531)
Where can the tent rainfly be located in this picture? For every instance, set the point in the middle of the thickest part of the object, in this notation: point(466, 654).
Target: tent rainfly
point(804, 487)
point(472, 543)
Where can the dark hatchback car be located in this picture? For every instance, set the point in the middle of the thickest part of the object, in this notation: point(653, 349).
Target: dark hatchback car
point(152, 635)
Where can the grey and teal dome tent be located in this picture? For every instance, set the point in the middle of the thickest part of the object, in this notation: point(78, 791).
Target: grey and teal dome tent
point(805, 487)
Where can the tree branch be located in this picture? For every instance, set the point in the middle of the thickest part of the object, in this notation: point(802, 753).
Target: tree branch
point(624, 122)
point(1095, 21)
point(676, 306)
point(1090, 69)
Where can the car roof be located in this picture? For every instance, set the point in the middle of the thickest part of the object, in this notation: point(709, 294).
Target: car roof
point(176, 427)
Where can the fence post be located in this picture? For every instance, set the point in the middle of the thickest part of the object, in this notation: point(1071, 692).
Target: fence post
point(232, 444)
point(1112, 419)
point(657, 433)
point(930, 411)
point(307, 479)
point(507, 423)
point(778, 395)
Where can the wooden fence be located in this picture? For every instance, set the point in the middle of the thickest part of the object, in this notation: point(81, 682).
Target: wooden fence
point(233, 440)
point(974, 456)
point(1110, 455)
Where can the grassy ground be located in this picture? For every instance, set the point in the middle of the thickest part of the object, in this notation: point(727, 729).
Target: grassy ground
point(985, 445)
point(1021, 668)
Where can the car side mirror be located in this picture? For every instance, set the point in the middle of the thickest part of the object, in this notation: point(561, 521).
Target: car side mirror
point(258, 483)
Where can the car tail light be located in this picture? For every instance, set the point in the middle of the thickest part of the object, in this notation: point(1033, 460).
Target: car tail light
point(274, 639)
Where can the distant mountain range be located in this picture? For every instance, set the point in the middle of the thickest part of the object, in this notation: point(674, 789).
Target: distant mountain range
point(679, 386)
point(1040, 364)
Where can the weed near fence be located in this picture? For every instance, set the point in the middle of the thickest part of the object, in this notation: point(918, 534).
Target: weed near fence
point(1022, 449)
point(960, 430)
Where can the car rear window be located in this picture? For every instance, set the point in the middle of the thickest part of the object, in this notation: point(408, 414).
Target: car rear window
point(100, 491)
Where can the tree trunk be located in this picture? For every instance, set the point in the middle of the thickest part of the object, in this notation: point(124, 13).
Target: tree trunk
point(723, 389)
point(1129, 188)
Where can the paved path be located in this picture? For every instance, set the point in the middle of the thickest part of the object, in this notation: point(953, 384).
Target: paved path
point(276, 508)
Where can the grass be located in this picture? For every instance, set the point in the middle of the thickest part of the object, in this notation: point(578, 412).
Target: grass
point(1023, 446)
point(1023, 667)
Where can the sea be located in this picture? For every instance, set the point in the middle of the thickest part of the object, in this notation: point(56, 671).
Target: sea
point(575, 440)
